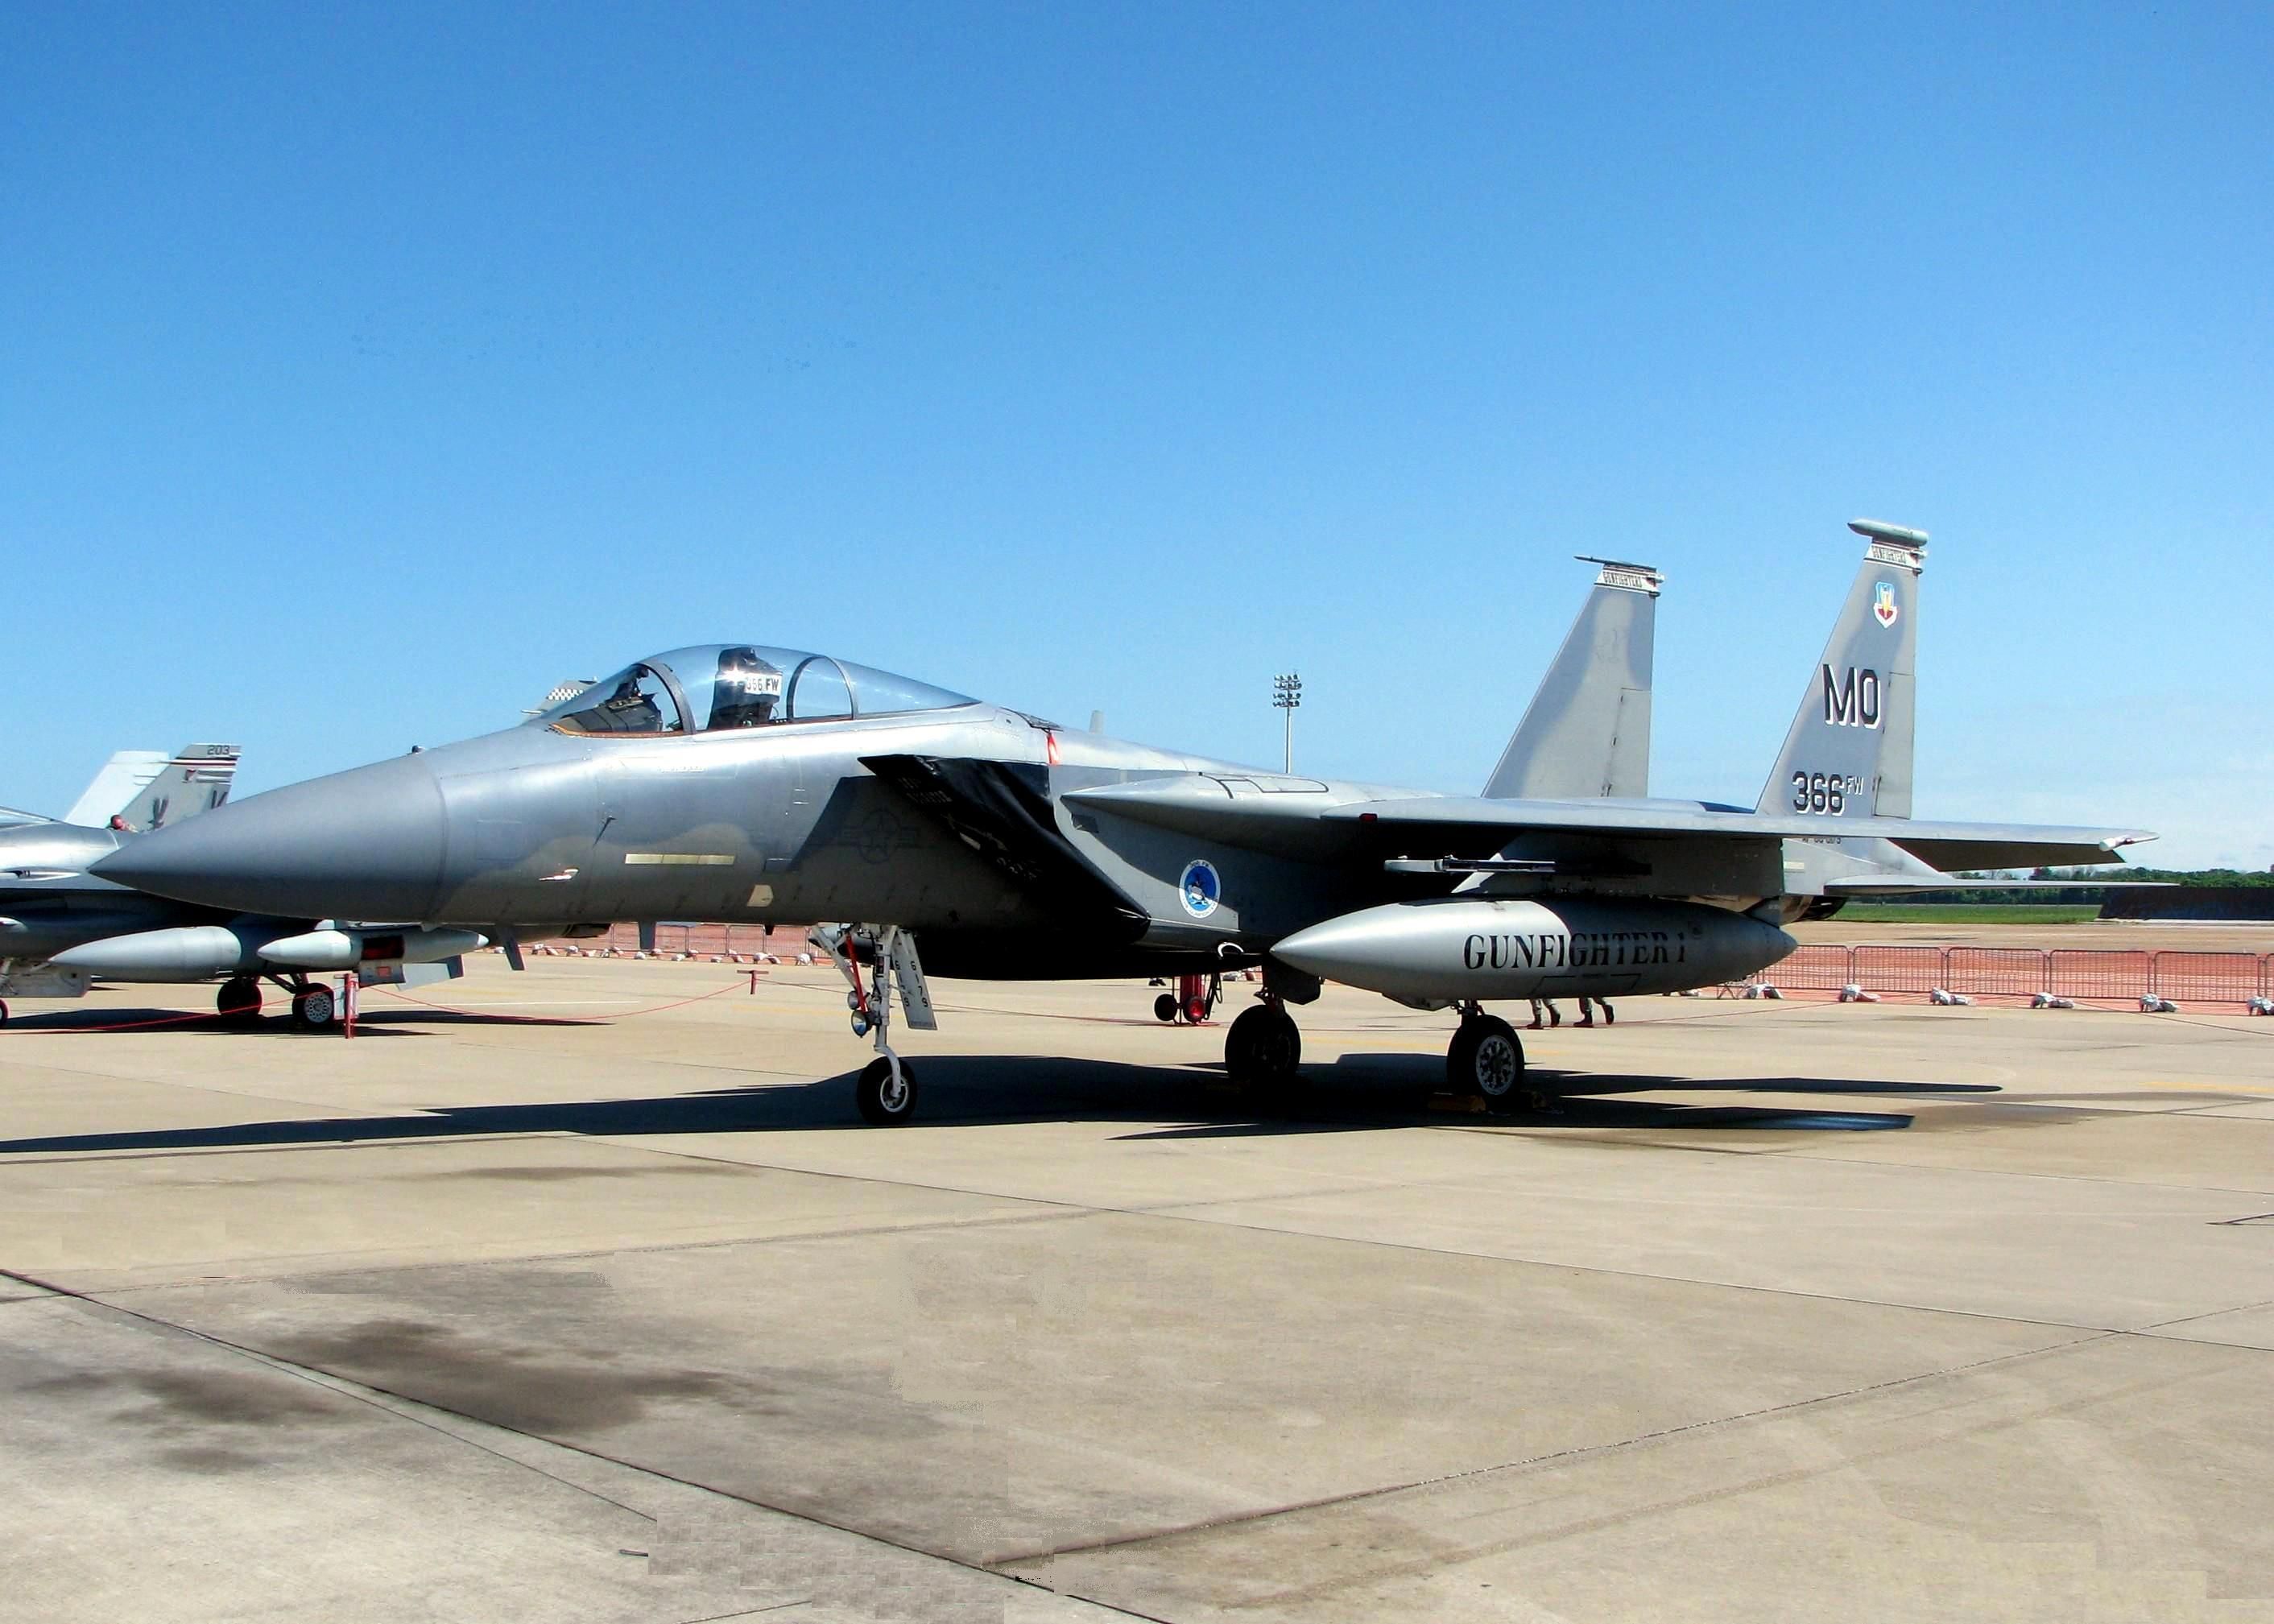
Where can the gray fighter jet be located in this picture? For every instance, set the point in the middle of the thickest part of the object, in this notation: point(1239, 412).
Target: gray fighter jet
point(745, 783)
point(47, 902)
point(62, 928)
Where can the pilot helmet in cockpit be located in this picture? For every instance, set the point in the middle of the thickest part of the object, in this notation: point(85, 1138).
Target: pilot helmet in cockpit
point(749, 691)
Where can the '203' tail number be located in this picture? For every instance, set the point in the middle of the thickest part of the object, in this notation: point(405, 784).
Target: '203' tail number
point(1826, 792)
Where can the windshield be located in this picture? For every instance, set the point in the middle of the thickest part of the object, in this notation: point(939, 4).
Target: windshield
point(723, 687)
point(634, 701)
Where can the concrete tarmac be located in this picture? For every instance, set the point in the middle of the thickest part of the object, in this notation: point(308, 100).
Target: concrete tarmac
point(562, 1304)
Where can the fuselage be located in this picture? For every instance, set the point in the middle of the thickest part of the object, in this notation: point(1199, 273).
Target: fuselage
point(697, 785)
point(536, 829)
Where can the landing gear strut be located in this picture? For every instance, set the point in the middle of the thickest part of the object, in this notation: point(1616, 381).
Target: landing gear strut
point(886, 1092)
point(1486, 1062)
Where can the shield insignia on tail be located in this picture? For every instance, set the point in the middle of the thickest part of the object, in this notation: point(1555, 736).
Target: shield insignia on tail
point(1883, 604)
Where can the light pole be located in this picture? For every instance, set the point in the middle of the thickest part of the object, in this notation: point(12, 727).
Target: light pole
point(1287, 693)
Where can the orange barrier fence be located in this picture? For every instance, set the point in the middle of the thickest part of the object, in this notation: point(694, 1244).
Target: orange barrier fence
point(2102, 974)
point(728, 943)
point(2106, 974)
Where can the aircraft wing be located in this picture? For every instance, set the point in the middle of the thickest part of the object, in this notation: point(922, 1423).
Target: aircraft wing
point(1921, 885)
point(1201, 804)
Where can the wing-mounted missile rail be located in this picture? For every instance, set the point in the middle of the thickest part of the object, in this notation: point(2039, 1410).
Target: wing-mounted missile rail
point(886, 1088)
point(1469, 865)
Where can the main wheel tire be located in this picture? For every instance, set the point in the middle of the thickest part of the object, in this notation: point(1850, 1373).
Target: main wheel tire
point(884, 1104)
point(1263, 1048)
point(1164, 1007)
point(238, 1001)
point(315, 1008)
point(1487, 1060)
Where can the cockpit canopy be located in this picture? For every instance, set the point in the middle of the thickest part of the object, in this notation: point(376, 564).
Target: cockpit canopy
point(720, 686)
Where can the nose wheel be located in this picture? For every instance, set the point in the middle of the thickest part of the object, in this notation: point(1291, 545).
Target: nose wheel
point(884, 1094)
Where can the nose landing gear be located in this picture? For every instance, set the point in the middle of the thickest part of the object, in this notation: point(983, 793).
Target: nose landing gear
point(886, 1092)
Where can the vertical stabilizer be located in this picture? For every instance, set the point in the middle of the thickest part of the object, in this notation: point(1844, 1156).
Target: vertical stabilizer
point(1587, 732)
point(1849, 752)
point(121, 778)
point(195, 778)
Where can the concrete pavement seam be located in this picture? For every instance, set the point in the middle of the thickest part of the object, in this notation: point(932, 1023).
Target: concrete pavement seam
point(1558, 1456)
point(393, 1404)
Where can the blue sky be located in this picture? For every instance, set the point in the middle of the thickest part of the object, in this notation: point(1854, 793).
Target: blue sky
point(363, 371)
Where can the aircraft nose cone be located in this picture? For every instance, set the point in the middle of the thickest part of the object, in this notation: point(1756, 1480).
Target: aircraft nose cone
point(365, 844)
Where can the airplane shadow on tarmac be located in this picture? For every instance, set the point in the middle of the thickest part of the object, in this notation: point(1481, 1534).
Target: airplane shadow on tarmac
point(273, 1022)
point(1357, 1093)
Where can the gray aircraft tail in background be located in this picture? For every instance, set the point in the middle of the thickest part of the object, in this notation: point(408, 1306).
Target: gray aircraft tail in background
point(147, 789)
point(60, 928)
point(1587, 732)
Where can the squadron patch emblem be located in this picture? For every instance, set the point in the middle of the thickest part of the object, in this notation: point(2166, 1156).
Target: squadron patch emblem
point(1201, 888)
point(1883, 604)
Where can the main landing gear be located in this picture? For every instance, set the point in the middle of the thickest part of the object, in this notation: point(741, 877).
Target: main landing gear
point(886, 1090)
point(1263, 1049)
point(238, 1001)
point(1486, 1062)
point(314, 1007)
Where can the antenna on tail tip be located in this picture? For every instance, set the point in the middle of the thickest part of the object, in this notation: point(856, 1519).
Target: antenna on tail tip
point(1617, 572)
point(1880, 530)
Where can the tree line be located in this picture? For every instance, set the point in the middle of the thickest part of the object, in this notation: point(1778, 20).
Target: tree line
point(2205, 878)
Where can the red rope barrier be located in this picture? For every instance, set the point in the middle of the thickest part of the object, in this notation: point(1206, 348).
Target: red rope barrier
point(558, 1020)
